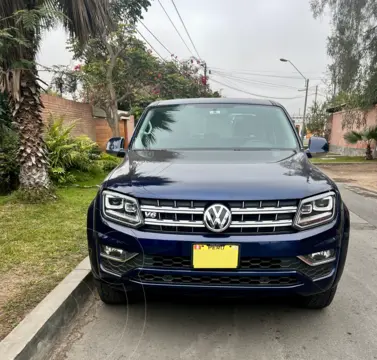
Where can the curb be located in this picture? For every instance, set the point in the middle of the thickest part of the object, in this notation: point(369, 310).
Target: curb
point(33, 338)
point(361, 191)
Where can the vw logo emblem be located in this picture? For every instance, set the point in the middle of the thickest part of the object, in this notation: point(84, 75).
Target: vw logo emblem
point(217, 218)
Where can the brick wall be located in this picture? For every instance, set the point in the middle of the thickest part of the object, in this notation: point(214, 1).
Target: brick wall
point(337, 142)
point(72, 111)
point(96, 128)
point(103, 131)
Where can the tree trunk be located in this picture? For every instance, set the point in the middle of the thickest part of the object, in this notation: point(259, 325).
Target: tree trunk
point(34, 179)
point(112, 124)
point(115, 120)
point(368, 153)
point(114, 129)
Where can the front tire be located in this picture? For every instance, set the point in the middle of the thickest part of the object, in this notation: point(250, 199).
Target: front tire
point(318, 301)
point(112, 296)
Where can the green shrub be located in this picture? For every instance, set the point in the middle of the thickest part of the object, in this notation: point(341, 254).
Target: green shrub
point(5, 119)
point(92, 178)
point(96, 151)
point(112, 158)
point(67, 153)
point(9, 168)
point(109, 162)
point(108, 166)
point(60, 176)
point(96, 168)
point(94, 156)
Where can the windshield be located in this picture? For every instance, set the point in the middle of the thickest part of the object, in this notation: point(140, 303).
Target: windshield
point(215, 126)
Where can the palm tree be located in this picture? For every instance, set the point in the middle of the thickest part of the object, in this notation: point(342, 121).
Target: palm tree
point(19, 76)
point(367, 135)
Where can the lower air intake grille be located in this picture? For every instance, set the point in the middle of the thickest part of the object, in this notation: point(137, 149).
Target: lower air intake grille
point(218, 280)
point(246, 263)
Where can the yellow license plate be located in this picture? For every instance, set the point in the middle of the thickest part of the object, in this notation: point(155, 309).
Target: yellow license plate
point(215, 256)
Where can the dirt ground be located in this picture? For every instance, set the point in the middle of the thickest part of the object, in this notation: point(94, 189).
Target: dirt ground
point(362, 175)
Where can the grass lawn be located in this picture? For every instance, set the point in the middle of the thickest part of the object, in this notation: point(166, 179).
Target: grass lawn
point(39, 245)
point(340, 159)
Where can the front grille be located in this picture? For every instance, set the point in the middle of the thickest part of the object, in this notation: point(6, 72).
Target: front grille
point(218, 280)
point(246, 263)
point(177, 262)
point(248, 217)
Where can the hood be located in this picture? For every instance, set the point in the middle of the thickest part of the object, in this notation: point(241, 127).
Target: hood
point(218, 175)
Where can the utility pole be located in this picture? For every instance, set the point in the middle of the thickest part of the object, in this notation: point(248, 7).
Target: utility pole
point(304, 115)
point(306, 94)
point(205, 77)
point(315, 100)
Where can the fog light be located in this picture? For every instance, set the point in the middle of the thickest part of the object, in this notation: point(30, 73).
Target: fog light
point(318, 258)
point(116, 254)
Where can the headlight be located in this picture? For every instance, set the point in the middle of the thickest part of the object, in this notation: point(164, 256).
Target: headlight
point(121, 208)
point(316, 210)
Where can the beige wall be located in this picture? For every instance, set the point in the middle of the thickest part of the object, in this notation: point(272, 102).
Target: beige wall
point(337, 141)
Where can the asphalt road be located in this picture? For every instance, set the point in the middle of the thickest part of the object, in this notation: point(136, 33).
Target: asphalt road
point(234, 330)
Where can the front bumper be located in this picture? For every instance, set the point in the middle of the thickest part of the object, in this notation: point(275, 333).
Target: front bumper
point(268, 263)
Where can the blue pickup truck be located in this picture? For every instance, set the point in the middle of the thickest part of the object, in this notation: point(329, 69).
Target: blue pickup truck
point(217, 197)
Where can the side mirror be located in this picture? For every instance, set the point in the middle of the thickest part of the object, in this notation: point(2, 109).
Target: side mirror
point(318, 146)
point(115, 146)
point(121, 153)
point(308, 153)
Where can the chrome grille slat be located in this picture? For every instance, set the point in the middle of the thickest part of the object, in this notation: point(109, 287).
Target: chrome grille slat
point(240, 224)
point(254, 217)
point(174, 223)
point(282, 210)
point(260, 224)
point(172, 210)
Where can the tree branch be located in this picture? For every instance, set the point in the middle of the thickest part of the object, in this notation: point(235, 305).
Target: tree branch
point(370, 30)
point(123, 97)
point(107, 44)
point(119, 51)
point(43, 82)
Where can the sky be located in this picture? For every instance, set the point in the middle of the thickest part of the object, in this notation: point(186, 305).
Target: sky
point(240, 40)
